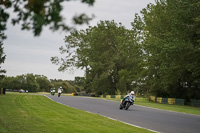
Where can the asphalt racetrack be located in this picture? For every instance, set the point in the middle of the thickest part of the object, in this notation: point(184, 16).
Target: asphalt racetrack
point(152, 119)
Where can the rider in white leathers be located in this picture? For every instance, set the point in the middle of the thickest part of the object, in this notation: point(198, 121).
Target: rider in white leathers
point(59, 91)
point(131, 95)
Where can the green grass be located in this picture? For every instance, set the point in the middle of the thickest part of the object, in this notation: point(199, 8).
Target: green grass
point(175, 108)
point(26, 113)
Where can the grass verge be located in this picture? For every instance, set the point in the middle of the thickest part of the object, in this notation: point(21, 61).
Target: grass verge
point(175, 108)
point(36, 113)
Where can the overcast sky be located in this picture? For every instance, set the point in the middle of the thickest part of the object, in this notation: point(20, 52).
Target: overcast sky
point(28, 54)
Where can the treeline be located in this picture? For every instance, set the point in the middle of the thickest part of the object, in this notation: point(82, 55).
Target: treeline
point(158, 56)
point(40, 83)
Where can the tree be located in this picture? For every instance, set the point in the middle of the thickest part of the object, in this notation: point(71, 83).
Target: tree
point(43, 82)
point(80, 81)
point(30, 83)
point(7, 82)
point(105, 51)
point(67, 88)
point(171, 45)
point(19, 82)
point(2, 59)
point(35, 14)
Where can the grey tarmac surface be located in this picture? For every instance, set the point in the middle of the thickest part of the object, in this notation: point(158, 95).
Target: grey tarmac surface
point(153, 119)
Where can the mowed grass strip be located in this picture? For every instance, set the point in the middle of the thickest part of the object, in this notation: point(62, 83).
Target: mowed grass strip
point(176, 108)
point(36, 113)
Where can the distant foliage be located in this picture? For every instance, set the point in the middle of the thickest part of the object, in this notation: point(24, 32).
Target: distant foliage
point(36, 83)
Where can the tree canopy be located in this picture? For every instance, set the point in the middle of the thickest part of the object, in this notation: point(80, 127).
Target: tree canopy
point(108, 52)
point(171, 31)
point(159, 55)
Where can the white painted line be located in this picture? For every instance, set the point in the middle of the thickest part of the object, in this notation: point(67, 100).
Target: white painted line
point(132, 124)
point(55, 101)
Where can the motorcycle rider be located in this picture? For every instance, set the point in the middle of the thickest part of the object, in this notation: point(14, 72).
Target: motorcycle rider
point(59, 91)
point(131, 95)
point(52, 91)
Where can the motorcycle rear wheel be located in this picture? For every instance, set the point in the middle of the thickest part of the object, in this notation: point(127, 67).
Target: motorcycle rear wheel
point(127, 105)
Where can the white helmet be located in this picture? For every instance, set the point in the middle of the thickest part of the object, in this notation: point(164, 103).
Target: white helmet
point(132, 92)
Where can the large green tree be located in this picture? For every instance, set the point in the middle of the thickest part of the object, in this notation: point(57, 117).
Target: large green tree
point(108, 52)
point(171, 30)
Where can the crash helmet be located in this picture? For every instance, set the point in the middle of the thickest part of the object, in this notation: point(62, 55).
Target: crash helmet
point(132, 93)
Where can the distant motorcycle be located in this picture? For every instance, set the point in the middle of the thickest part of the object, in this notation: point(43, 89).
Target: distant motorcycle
point(53, 92)
point(126, 103)
point(59, 94)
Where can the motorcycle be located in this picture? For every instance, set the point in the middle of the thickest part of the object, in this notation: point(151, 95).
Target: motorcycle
point(59, 94)
point(53, 92)
point(126, 103)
